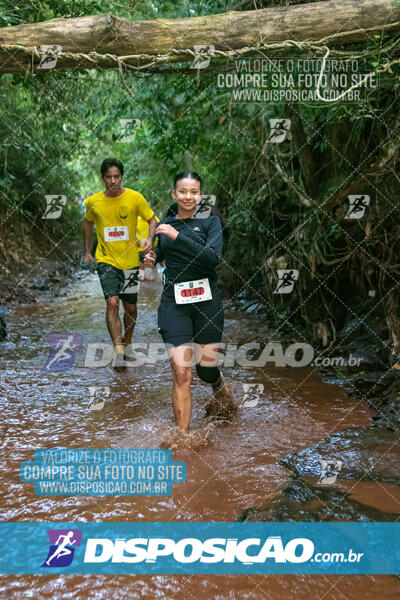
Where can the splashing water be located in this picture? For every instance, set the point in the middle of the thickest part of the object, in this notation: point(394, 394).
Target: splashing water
point(177, 439)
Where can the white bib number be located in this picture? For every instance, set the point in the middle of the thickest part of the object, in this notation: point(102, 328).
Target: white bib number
point(188, 292)
point(116, 234)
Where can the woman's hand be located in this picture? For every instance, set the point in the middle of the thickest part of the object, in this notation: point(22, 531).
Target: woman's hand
point(167, 230)
point(150, 259)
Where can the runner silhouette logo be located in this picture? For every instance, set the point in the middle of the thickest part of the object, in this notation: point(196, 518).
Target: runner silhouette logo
point(202, 55)
point(63, 347)
point(54, 206)
point(131, 285)
point(279, 130)
point(204, 205)
point(62, 547)
point(286, 280)
point(128, 129)
point(49, 56)
point(357, 206)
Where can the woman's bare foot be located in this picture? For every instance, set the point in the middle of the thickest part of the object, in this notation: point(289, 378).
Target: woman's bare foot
point(177, 439)
point(221, 405)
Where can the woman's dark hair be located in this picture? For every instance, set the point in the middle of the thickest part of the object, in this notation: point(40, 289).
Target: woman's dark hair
point(188, 175)
point(111, 162)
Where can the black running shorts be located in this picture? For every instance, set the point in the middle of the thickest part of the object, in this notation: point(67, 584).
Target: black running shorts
point(200, 322)
point(116, 282)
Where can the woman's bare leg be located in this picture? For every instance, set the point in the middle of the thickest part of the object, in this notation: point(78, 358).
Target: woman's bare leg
point(180, 358)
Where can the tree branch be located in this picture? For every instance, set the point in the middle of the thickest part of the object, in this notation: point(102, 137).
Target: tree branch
point(101, 41)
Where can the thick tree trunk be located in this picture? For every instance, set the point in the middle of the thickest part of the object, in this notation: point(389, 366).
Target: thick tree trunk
point(95, 41)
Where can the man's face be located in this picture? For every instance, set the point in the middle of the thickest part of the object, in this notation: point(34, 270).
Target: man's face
point(112, 179)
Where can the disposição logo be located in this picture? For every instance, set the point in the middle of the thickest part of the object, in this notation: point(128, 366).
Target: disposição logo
point(62, 547)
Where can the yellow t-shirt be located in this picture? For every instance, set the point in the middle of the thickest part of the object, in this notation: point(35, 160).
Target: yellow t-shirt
point(116, 224)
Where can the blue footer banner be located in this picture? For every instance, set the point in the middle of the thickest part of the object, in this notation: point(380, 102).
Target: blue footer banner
point(204, 548)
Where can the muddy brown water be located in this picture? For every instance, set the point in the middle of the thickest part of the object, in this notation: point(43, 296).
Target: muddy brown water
point(238, 468)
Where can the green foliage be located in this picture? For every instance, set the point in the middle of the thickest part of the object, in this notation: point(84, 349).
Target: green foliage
point(34, 11)
point(57, 127)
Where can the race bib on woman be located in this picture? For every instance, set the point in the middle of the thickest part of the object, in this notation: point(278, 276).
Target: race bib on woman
point(192, 291)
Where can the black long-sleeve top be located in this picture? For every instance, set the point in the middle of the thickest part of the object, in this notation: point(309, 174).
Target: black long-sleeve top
point(194, 254)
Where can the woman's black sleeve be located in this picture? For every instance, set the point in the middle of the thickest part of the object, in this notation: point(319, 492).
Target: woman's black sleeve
point(159, 253)
point(207, 255)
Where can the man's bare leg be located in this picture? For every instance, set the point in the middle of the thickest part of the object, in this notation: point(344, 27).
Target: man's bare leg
point(130, 316)
point(114, 323)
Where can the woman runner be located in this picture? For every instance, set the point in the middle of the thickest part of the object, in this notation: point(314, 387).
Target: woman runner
point(190, 310)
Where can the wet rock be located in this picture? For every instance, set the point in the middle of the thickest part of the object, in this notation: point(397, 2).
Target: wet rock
point(247, 303)
point(380, 389)
point(377, 377)
point(368, 340)
point(351, 328)
point(373, 330)
point(55, 279)
point(7, 347)
point(370, 454)
point(255, 308)
point(11, 292)
point(41, 284)
point(301, 501)
point(389, 417)
point(50, 275)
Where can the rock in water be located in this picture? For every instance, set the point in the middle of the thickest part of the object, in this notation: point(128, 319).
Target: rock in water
point(300, 501)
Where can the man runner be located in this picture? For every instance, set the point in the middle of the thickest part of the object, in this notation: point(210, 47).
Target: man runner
point(115, 213)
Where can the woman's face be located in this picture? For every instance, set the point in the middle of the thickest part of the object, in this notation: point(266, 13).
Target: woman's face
point(187, 193)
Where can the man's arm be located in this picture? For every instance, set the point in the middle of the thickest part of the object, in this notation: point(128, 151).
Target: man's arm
point(148, 244)
point(87, 229)
point(152, 226)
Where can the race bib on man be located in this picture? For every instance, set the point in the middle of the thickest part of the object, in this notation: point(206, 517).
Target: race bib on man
point(192, 291)
point(116, 234)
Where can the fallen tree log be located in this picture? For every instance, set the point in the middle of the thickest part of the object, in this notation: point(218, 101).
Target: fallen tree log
point(103, 41)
